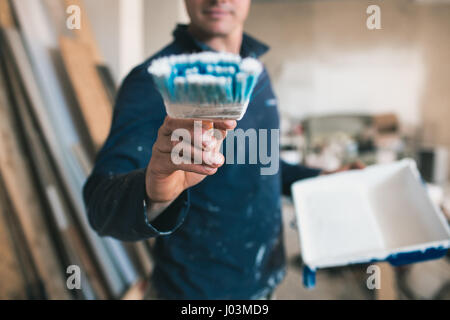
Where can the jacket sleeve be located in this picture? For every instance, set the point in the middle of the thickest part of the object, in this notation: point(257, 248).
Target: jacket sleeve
point(115, 191)
point(292, 173)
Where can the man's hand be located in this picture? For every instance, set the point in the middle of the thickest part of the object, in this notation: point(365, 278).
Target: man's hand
point(357, 165)
point(165, 180)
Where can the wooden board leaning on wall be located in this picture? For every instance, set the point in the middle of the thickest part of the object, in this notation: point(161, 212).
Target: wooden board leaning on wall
point(6, 18)
point(51, 111)
point(56, 11)
point(24, 199)
point(81, 56)
point(72, 246)
point(59, 14)
point(13, 281)
point(94, 103)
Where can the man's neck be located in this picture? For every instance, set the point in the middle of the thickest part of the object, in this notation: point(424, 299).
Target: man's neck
point(229, 43)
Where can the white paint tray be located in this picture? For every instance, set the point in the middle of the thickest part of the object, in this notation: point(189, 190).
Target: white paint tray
point(381, 213)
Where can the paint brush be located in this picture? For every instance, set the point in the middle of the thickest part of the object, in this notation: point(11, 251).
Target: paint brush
point(206, 85)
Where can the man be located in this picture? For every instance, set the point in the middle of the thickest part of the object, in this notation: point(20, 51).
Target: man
point(218, 226)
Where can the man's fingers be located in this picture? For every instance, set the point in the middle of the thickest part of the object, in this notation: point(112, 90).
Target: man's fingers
point(198, 168)
point(196, 148)
point(202, 139)
point(166, 144)
point(166, 164)
point(171, 124)
point(186, 153)
point(225, 125)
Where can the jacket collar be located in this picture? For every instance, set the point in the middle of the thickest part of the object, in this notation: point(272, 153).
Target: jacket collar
point(250, 46)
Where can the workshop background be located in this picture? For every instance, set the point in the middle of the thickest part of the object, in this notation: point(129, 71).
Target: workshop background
point(345, 92)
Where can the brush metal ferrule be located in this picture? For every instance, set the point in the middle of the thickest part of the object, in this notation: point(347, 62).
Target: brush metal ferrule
point(233, 111)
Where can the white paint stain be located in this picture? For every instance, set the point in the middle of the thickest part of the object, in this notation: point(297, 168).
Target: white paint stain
point(249, 211)
point(249, 245)
point(271, 282)
point(261, 294)
point(212, 208)
point(260, 254)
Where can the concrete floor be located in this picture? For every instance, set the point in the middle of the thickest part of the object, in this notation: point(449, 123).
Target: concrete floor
point(425, 280)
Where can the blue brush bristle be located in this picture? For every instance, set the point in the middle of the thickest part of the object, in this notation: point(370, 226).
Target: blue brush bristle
point(206, 78)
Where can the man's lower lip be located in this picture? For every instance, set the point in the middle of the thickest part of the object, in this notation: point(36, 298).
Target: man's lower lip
point(216, 14)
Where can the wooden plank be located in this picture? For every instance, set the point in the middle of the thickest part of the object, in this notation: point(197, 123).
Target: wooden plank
point(388, 289)
point(49, 111)
point(145, 258)
point(57, 125)
point(108, 82)
point(136, 292)
point(47, 182)
point(57, 12)
point(25, 201)
point(75, 251)
point(86, 164)
point(6, 17)
point(34, 285)
point(140, 257)
point(11, 279)
point(85, 34)
point(92, 98)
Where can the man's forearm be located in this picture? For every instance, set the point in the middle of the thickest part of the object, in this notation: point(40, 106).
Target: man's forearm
point(115, 206)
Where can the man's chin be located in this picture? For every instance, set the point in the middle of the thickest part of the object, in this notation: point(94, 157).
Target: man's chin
point(218, 30)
